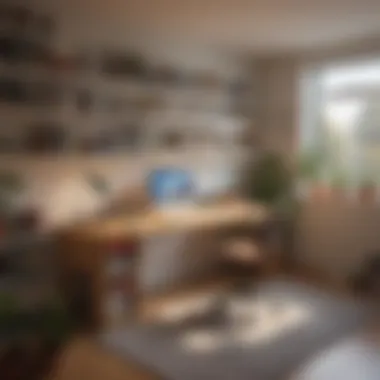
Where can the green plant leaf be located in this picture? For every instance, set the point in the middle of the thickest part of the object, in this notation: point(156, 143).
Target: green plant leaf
point(271, 180)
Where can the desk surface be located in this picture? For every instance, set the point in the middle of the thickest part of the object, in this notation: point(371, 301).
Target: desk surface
point(154, 221)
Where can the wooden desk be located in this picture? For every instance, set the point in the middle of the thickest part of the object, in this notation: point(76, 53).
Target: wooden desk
point(87, 250)
point(155, 221)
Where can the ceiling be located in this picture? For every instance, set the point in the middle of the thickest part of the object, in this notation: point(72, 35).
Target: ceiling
point(249, 25)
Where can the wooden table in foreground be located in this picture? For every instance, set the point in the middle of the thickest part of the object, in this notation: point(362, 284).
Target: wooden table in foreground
point(98, 258)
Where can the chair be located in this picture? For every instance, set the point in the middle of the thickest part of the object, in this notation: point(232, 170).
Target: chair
point(242, 259)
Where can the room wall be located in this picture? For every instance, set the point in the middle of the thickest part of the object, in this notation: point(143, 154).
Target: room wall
point(333, 236)
point(57, 187)
point(55, 184)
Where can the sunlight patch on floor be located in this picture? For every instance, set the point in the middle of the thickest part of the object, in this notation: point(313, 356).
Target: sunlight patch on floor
point(251, 324)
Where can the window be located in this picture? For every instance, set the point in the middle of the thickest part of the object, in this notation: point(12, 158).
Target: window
point(341, 120)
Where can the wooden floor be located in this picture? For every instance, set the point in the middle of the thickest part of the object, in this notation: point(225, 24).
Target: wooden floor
point(83, 359)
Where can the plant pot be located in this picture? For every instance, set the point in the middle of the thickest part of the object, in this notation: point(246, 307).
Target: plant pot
point(367, 194)
point(338, 193)
point(320, 192)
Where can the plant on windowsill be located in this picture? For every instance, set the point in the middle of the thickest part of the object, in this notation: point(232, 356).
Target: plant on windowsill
point(367, 191)
point(338, 185)
point(308, 174)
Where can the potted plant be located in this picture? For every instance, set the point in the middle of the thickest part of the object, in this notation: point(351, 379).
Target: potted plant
point(270, 180)
point(367, 191)
point(338, 185)
point(308, 175)
point(271, 183)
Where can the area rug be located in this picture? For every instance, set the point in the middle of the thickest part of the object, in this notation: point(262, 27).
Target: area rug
point(273, 331)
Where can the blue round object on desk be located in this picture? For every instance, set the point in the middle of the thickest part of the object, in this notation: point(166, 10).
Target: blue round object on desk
point(170, 185)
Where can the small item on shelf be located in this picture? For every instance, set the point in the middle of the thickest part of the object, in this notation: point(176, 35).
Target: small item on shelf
point(147, 102)
point(27, 220)
point(63, 63)
point(99, 143)
point(166, 75)
point(34, 93)
point(209, 80)
point(84, 100)
point(20, 49)
point(45, 25)
point(46, 137)
point(130, 136)
point(12, 90)
point(114, 104)
point(43, 93)
point(16, 15)
point(172, 139)
point(119, 64)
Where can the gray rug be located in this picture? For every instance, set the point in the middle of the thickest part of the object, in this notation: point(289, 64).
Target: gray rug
point(291, 323)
